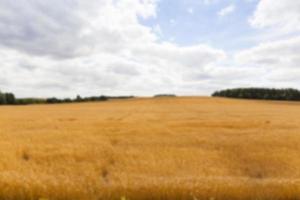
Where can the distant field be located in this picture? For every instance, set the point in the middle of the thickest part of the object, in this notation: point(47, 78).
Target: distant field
point(163, 148)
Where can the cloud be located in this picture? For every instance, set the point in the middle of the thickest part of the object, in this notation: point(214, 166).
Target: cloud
point(279, 59)
point(172, 22)
point(208, 2)
point(227, 10)
point(124, 68)
point(73, 28)
point(190, 11)
point(277, 53)
point(281, 53)
point(283, 15)
point(64, 48)
point(196, 56)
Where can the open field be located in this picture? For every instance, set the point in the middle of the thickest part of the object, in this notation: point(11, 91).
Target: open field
point(164, 148)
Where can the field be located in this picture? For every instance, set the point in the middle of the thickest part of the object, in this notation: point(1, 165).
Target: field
point(161, 148)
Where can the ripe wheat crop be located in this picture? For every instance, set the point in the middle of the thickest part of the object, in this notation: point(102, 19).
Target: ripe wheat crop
point(140, 149)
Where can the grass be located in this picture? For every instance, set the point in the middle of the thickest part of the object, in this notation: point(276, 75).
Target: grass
point(140, 149)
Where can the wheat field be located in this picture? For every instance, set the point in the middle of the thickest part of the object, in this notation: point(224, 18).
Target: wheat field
point(161, 148)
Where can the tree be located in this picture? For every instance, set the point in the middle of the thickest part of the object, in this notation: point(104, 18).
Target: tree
point(260, 93)
point(2, 98)
point(10, 98)
point(78, 98)
point(53, 100)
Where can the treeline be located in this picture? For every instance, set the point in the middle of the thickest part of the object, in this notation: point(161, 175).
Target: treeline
point(79, 99)
point(288, 94)
point(10, 99)
point(164, 95)
point(7, 98)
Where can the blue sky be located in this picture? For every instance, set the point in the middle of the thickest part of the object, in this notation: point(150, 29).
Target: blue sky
point(145, 47)
point(189, 22)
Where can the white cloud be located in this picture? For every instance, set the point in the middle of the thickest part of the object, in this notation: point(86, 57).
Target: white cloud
point(227, 10)
point(157, 30)
point(282, 53)
point(208, 2)
point(190, 10)
point(172, 22)
point(284, 15)
point(73, 28)
point(65, 48)
point(280, 59)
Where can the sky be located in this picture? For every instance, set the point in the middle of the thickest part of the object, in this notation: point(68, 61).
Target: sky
point(144, 47)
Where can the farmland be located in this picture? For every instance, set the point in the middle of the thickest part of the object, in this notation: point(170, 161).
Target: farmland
point(160, 148)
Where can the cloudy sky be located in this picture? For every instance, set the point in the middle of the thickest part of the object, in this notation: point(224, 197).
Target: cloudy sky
point(144, 47)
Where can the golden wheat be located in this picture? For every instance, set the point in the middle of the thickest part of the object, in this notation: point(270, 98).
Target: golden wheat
point(164, 148)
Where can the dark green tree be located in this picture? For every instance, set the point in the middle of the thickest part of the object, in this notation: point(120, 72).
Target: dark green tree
point(10, 98)
point(2, 99)
point(288, 94)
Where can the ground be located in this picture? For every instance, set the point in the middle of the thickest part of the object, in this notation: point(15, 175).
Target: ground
point(159, 148)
